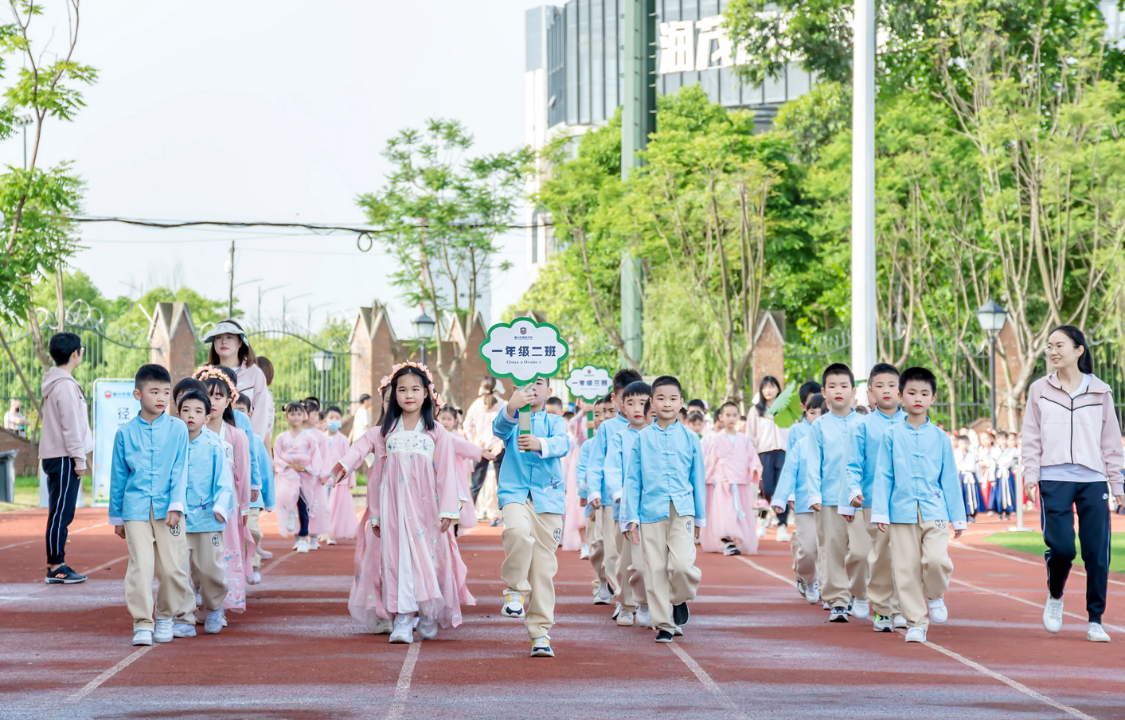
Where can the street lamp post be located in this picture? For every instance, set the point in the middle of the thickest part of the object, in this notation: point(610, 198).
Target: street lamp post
point(323, 362)
point(424, 330)
point(991, 318)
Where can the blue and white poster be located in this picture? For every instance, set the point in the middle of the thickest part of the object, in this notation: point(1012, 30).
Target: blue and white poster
point(114, 405)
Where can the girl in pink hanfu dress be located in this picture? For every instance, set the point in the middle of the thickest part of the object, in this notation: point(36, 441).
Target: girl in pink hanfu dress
point(341, 506)
point(466, 456)
point(295, 456)
point(574, 517)
point(316, 497)
point(236, 447)
point(733, 472)
point(415, 568)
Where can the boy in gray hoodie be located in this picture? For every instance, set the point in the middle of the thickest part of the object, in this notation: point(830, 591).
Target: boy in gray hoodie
point(63, 445)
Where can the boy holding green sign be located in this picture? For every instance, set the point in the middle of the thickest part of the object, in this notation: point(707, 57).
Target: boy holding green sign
point(532, 496)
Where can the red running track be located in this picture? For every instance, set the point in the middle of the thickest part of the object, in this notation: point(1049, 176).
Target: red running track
point(753, 647)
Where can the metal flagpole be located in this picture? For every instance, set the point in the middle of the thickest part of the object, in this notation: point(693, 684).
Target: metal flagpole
point(864, 350)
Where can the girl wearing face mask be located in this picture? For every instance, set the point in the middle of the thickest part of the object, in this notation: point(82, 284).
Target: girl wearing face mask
point(341, 506)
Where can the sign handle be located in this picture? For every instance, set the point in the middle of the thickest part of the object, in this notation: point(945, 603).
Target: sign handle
point(589, 424)
point(525, 421)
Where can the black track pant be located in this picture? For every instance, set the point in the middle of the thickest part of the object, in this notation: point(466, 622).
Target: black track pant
point(63, 486)
point(772, 462)
point(303, 516)
point(1091, 500)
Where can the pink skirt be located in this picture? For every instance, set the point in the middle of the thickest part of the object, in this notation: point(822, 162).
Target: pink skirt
point(287, 485)
point(724, 521)
point(468, 510)
point(341, 515)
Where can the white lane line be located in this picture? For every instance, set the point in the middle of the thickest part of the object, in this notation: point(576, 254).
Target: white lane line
point(1039, 564)
point(960, 658)
point(71, 532)
point(274, 563)
point(402, 689)
point(97, 682)
point(707, 682)
point(45, 590)
point(978, 588)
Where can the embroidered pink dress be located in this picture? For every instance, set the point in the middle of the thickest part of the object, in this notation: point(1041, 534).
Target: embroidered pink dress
point(574, 517)
point(236, 447)
point(341, 506)
point(412, 567)
point(289, 484)
point(733, 472)
point(316, 496)
point(466, 455)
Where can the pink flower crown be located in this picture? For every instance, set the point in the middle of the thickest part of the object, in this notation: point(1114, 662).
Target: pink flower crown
point(438, 402)
point(212, 372)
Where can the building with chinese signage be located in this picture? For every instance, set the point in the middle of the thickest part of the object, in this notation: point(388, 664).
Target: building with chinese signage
point(572, 78)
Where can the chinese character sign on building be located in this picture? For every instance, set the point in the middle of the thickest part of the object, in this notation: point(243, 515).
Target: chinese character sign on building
point(690, 45)
point(523, 350)
point(589, 382)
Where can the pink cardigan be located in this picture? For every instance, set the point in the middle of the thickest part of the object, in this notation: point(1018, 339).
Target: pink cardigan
point(1058, 430)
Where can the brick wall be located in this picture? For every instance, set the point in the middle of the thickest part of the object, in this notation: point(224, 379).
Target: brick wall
point(27, 452)
point(768, 357)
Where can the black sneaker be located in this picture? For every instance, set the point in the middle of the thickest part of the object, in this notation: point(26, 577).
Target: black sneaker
point(664, 636)
point(63, 575)
point(680, 614)
point(839, 614)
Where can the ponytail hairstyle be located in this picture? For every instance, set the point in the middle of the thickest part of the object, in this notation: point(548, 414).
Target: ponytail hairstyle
point(488, 391)
point(1085, 360)
point(392, 411)
point(762, 404)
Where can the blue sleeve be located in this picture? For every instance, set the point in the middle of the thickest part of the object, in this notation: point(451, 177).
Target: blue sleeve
point(118, 476)
point(580, 468)
point(815, 458)
point(613, 469)
point(884, 480)
point(857, 461)
point(698, 480)
point(178, 480)
point(502, 427)
point(557, 442)
point(634, 486)
point(787, 482)
point(595, 464)
point(224, 501)
point(951, 485)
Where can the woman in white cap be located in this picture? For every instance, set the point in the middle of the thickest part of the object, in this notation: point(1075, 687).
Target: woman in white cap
point(230, 348)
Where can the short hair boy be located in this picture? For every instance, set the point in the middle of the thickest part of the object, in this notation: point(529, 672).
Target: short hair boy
point(147, 497)
point(917, 497)
point(554, 405)
point(629, 574)
point(664, 507)
point(864, 441)
point(531, 497)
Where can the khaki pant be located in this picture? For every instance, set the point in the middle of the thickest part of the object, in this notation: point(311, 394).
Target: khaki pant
point(255, 535)
point(920, 557)
point(609, 532)
point(842, 576)
point(530, 540)
point(154, 550)
point(208, 574)
point(668, 548)
point(630, 572)
point(597, 549)
point(858, 559)
point(881, 585)
point(803, 543)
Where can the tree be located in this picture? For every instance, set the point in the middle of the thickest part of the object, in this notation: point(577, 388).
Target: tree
point(440, 216)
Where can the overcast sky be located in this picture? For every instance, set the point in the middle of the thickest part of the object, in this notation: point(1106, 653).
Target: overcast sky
point(276, 111)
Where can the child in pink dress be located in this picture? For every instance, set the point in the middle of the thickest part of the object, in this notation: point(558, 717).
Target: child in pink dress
point(341, 514)
point(467, 456)
point(316, 496)
point(733, 473)
point(574, 519)
point(407, 563)
point(296, 459)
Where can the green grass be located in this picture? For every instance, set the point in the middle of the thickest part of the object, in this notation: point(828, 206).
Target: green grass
point(1032, 543)
point(27, 493)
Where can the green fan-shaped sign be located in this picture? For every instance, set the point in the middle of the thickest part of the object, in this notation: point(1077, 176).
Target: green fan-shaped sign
point(523, 350)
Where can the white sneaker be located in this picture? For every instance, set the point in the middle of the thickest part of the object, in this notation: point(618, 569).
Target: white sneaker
point(883, 623)
point(404, 629)
point(616, 612)
point(264, 554)
point(330, 541)
point(603, 595)
point(198, 600)
point(1095, 633)
point(257, 579)
point(302, 546)
point(427, 629)
point(163, 631)
point(291, 525)
point(181, 629)
point(938, 612)
point(625, 618)
point(1053, 614)
point(380, 626)
point(678, 632)
point(782, 534)
point(644, 617)
point(762, 527)
point(801, 586)
point(142, 637)
point(812, 594)
point(584, 552)
point(824, 606)
point(313, 543)
point(900, 622)
point(916, 634)
point(214, 622)
point(513, 605)
point(861, 608)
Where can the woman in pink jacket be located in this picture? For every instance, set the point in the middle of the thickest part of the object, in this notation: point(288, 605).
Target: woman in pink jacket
point(1071, 448)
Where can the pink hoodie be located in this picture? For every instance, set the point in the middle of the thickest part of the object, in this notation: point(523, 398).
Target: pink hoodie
point(66, 424)
point(1058, 430)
